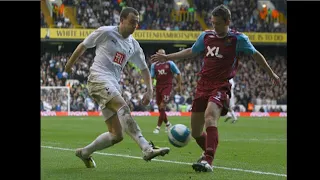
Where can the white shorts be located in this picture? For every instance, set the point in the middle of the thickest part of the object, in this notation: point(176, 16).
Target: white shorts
point(103, 91)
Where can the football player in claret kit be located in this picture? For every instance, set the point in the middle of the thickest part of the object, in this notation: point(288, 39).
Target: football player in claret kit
point(164, 72)
point(222, 48)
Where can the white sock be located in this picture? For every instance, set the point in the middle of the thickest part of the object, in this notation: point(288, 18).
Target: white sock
point(103, 141)
point(131, 127)
point(168, 124)
point(158, 127)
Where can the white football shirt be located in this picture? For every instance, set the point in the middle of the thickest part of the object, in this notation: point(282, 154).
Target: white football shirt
point(113, 52)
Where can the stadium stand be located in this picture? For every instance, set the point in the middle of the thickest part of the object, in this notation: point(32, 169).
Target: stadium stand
point(161, 15)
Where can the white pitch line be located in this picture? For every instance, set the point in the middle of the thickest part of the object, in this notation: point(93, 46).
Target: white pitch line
point(168, 161)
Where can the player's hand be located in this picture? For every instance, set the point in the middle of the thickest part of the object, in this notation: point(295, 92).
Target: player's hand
point(275, 79)
point(147, 98)
point(159, 57)
point(68, 68)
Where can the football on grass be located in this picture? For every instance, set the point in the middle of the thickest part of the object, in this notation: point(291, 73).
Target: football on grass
point(179, 135)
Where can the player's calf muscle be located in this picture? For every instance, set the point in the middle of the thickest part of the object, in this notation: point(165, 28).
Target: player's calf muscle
point(197, 122)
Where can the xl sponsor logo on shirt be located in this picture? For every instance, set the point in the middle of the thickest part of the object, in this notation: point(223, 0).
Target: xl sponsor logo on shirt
point(118, 58)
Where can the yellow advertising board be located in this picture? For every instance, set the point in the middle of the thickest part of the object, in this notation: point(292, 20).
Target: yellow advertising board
point(43, 32)
point(158, 35)
point(267, 37)
point(64, 33)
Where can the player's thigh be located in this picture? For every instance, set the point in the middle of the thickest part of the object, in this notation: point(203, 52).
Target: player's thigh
point(166, 93)
point(102, 92)
point(107, 96)
point(163, 96)
point(218, 105)
point(116, 103)
point(212, 114)
point(221, 98)
point(197, 123)
point(158, 96)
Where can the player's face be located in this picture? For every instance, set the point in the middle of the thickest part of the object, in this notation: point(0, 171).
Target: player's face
point(219, 25)
point(131, 23)
point(161, 51)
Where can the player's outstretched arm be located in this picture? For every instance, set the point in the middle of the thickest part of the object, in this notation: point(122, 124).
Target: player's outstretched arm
point(186, 53)
point(178, 83)
point(257, 56)
point(147, 80)
point(75, 56)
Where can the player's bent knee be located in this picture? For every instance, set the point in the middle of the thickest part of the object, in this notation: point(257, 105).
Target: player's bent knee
point(107, 113)
point(208, 116)
point(210, 120)
point(118, 138)
point(126, 120)
point(124, 112)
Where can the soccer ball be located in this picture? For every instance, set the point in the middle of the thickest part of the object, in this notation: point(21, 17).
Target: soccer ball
point(179, 135)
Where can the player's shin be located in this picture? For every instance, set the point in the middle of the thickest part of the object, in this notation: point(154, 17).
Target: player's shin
point(211, 143)
point(197, 123)
point(103, 141)
point(131, 127)
point(164, 115)
point(201, 141)
point(160, 119)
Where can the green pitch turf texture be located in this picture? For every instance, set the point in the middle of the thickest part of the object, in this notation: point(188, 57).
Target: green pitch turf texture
point(251, 149)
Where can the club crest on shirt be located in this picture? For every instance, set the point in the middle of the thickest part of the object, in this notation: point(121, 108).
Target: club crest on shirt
point(228, 42)
point(166, 66)
point(118, 58)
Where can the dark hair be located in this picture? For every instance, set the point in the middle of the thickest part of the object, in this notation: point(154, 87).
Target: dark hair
point(126, 11)
point(222, 11)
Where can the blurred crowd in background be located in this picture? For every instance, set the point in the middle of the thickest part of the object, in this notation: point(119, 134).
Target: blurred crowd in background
point(162, 15)
point(252, 85)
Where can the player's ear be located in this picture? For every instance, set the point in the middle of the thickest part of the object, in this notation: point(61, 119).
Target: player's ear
point(228, 22)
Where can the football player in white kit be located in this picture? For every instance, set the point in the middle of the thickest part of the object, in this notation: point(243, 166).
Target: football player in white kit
point(115, 46)
point(231, 113)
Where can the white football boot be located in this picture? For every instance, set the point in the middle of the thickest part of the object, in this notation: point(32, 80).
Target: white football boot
point(88, 161)
point(156, 131)
point(154, 151)
point(202, 166)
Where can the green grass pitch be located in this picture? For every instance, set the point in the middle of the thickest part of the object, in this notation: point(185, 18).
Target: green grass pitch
point(251, 149)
